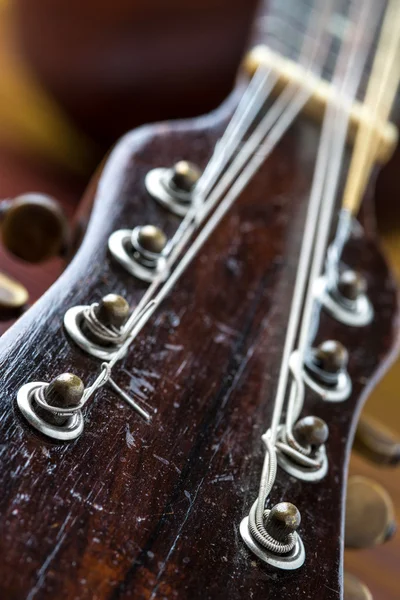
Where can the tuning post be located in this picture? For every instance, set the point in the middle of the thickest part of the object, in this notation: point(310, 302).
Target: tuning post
point(34, 227)
point(325, 370)
point(274, 538)
point(140, 251)
point(327, 361)
point(54, 408)
point(376, 442)
point(148, 242)
point(346, 299)
point(173, 187)
point(98, 329)
point(354, 589)
point(370, 513)
point(13, 296)
point(282, 521)
point(301, 452)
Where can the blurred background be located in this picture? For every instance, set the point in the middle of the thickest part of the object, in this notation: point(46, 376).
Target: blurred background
point(75, 75)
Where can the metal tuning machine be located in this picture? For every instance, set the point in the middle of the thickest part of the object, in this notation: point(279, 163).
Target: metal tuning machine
point(54, 409)
point(139, 251)
point(272, 535)
point(370, 514)
point(34, 227)
point(301, 452)
point(173, 187)
point(325, 371)
point(98, 329)
point(346, 299)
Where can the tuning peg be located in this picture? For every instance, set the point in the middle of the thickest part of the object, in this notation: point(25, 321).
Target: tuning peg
point(65, 391)
point(354, 589)
point(184, 176)
point(55, 408)
point(173, 187)
point(311, 431)
point(376, 442)
point(330, 357)
point(369, 513)
point(282, 520)
point(13, 295)
point(351, 285)
point(113, 311)
point(149, 239)
point(33, 227)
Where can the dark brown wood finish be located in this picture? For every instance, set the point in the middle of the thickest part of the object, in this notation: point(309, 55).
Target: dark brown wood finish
point(136, 510)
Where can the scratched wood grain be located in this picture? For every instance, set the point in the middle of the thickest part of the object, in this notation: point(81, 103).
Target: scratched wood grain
point(145, 511)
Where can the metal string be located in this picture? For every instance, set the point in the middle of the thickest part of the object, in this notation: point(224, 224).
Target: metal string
point(189, 224)
point(338, 129)
point(323, 159)
point(253, 154)
point(321, 206)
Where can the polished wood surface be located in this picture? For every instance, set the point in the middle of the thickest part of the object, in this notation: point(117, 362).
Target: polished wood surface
point(136, 510)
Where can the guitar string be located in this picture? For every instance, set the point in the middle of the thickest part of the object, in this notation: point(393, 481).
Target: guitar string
point(245, 114)
point(256, 521)
point(382, 85)
point(260, 147)
point(264, 81)
point(330, 190)
point(247, 151)
point(272, 23)
point(334, 133)
point(308, 236)
point(379, 97)
point(235, 130)
point(188, 225)
point(340, 125)
point(268, 475)
point(302, 273)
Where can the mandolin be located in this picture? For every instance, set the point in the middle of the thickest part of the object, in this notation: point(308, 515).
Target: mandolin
point(178, 409)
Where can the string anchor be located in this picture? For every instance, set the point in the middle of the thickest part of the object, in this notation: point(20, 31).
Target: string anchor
point(98, 329)
point(325, 370)
point(140, 251)
point(302, 452)
point(173, 187)
point(54, 408)
point(132, 403)
point(274, 538)
point(346, 300)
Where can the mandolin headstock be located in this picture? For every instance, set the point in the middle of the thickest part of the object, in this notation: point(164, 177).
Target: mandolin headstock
point(137, 483)
point(151, 509)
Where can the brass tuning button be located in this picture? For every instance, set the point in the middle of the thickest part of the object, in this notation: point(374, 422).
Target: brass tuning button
point(370, 513)
point(149, 239)
point(13, 295)
point(330, 357)
point(282, 520)
point(184, 176)
point(354, 589)
point(113, 311)
point(376, 442)
point(33, 227)
point(65, 392)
